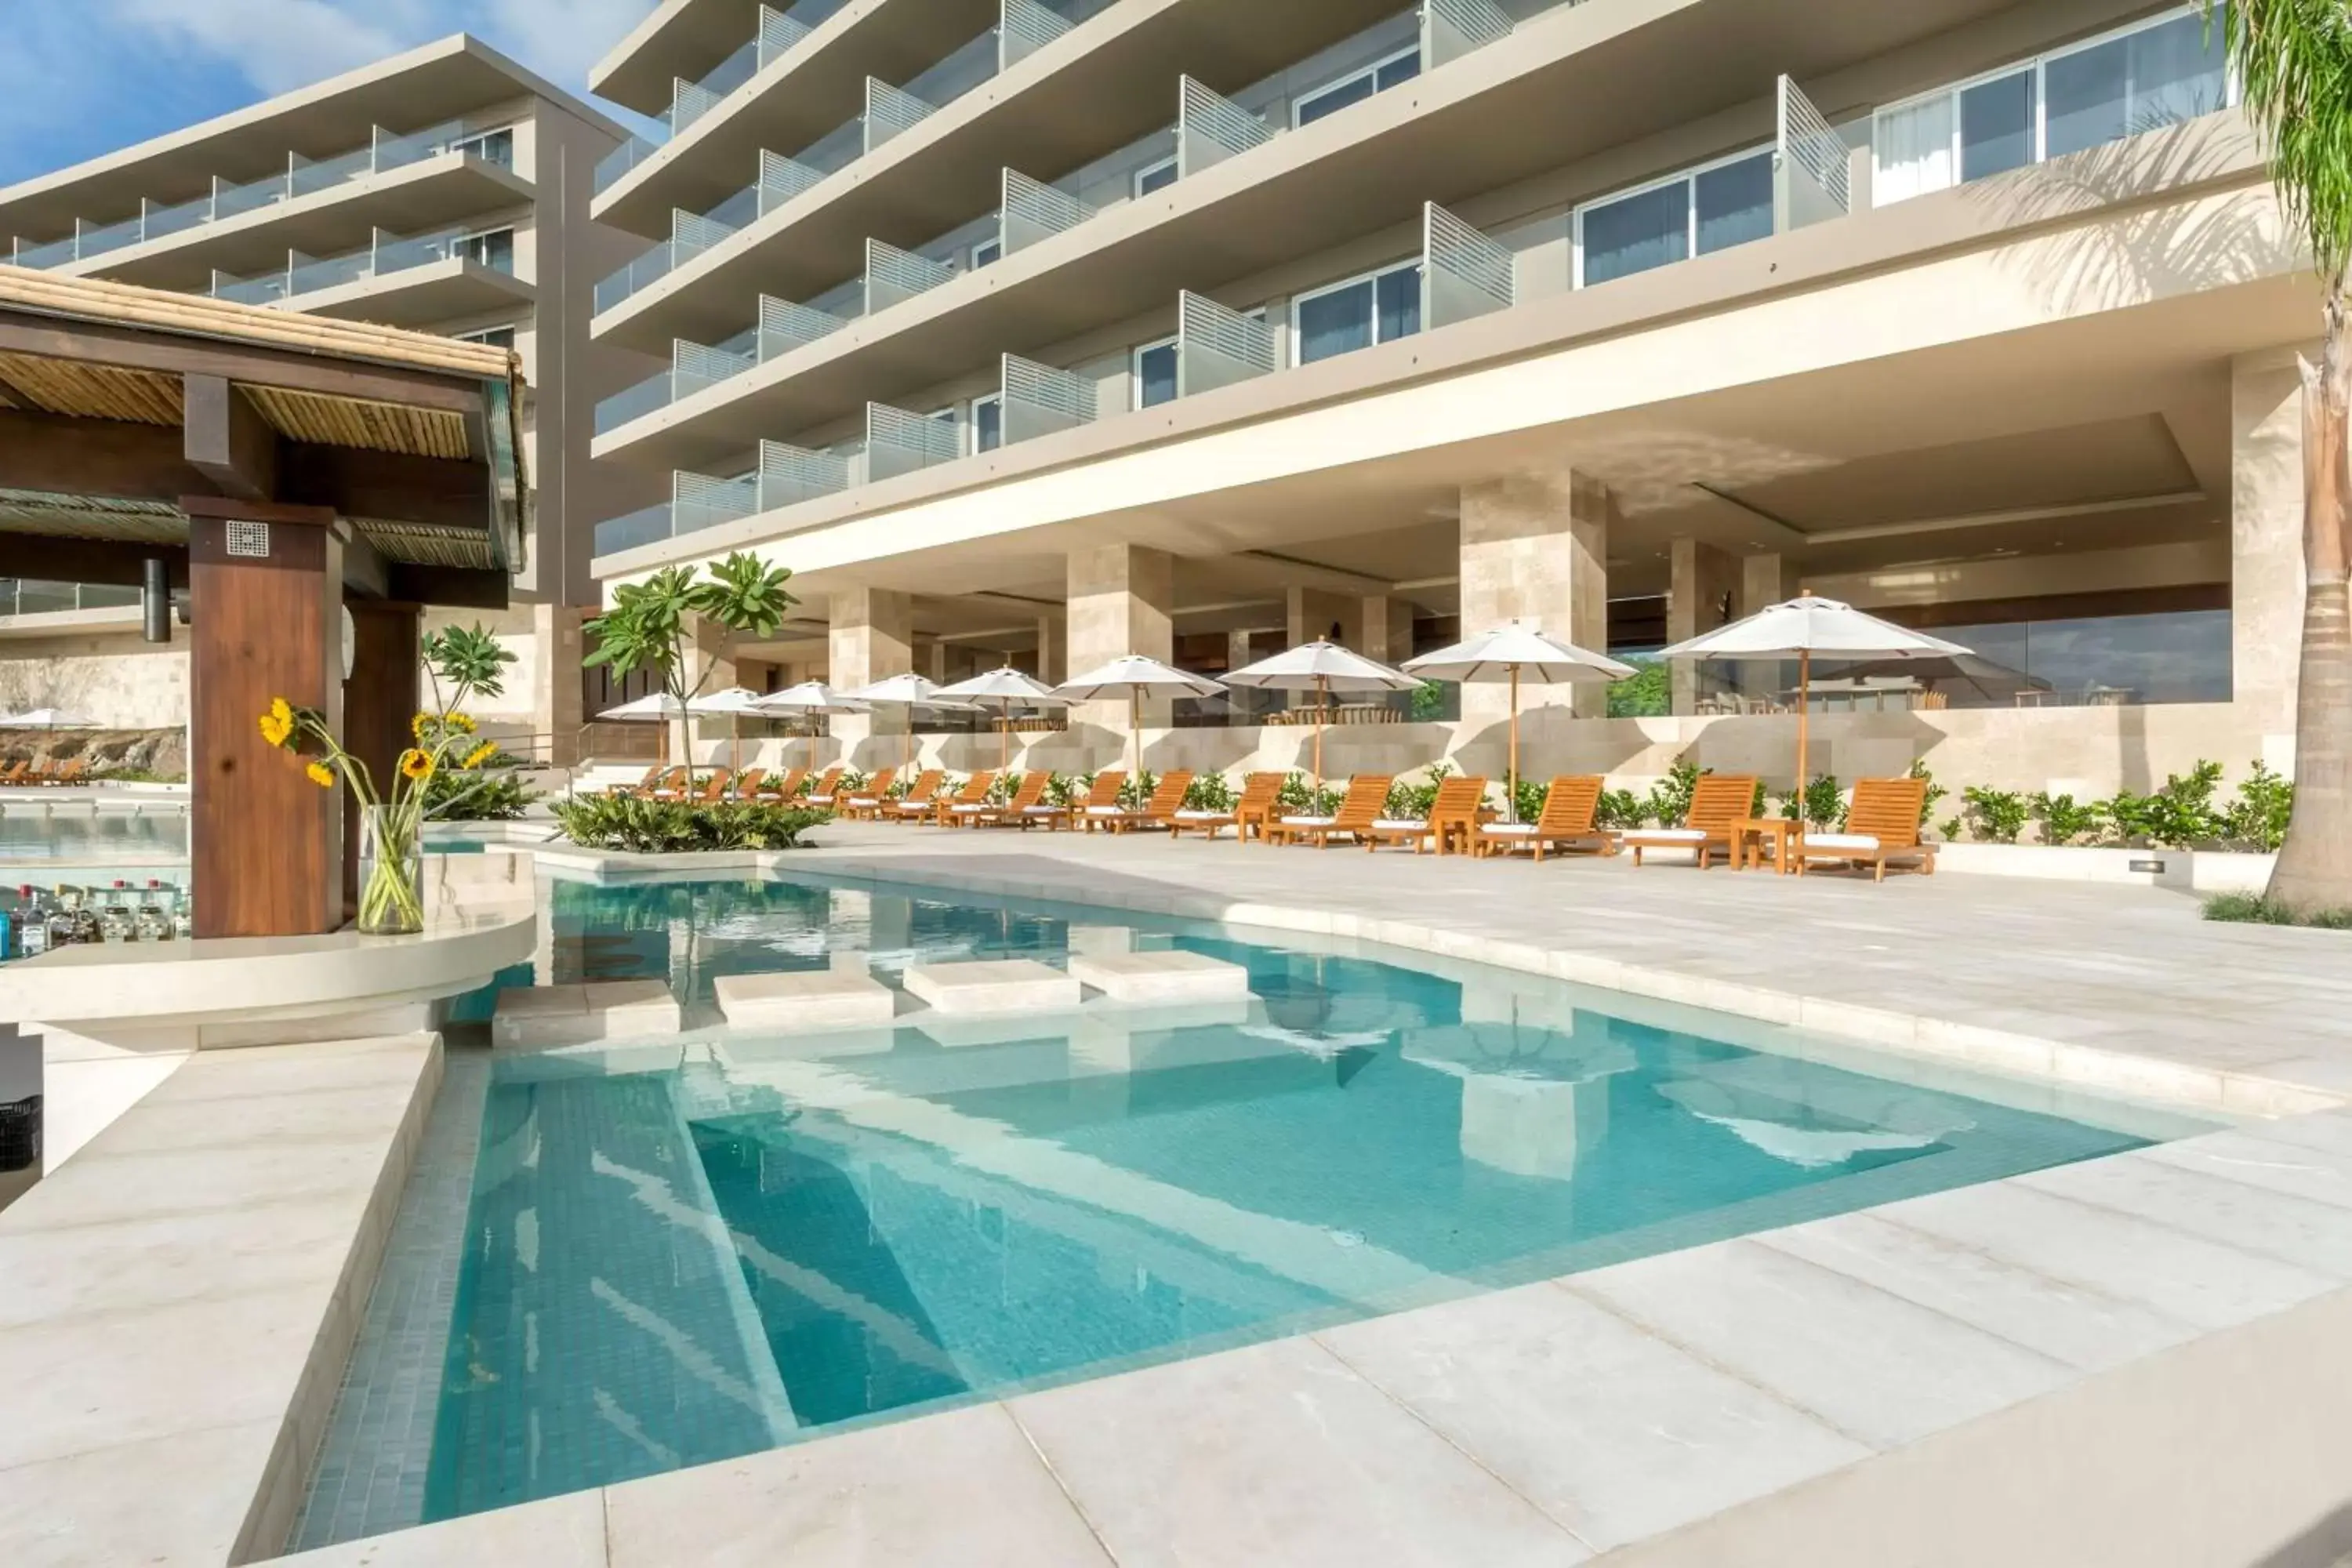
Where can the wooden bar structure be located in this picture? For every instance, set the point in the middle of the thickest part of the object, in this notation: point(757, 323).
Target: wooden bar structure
point(311, 484)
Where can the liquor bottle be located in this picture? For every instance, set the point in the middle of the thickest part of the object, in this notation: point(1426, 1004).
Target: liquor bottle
point(183, 914)
point(65, 918)
point(32, 922)
point(114, 918)
point(151, 921)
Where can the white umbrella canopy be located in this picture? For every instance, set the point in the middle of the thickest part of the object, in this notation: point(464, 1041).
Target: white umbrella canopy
point(908, 690)
point(730, 703)
point(1322, 667)
point(652, 705)
point(1136, 676)
point(1513, 652)
point(1806, 625)
point(809, 697)
point(1002, 690)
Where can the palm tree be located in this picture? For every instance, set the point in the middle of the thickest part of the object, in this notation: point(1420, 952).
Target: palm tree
point(2294, 63)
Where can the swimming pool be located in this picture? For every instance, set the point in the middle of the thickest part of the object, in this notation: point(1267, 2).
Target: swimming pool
point(679, 1251)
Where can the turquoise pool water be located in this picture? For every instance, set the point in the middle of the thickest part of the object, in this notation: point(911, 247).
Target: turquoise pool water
point(37, 840)
point(683, 1251)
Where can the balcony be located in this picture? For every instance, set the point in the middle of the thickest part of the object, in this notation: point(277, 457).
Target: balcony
point(451, 146)
point(1054, 108)
point(399, 280)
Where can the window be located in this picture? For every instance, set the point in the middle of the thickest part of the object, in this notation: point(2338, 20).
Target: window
point(496, 337)
point(1155, 176)
point(1710, 208)
point(493, 248)
point(1345, 317)
point(2144, 77)
point(1155, 373)
point(491, 146)
point(1401, 67)
point(988, 423)
point(985, 252)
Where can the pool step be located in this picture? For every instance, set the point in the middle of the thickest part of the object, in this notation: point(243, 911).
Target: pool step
point(536, 1017)
point(806, 999)
point(1164, 976)
point(995, 985)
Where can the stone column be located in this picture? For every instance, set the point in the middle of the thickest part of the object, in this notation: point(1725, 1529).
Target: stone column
point(1764, 581)
point(1313, 611)
point(2266, 578)
point(707, 662)
point(1121, 600)
point(1237, 649)
point(1535, 547)
point(1053, 643)
point(930, 659)
point(872, 638)
point(1702, 592)
point(1388, 628)
point(555, 704)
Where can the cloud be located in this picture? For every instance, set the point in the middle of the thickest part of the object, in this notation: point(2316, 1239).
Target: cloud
point(560, 38)
point(277, 45)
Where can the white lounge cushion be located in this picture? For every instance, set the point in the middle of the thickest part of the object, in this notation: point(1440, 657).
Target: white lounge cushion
point(1508, 829)
point(972, 810)
point(1670, 835)
point(1308, 821)
point(1106, 811)
point(864, 799)
point(1856, 843)
point(1400, 825)
point(820, 800)
point(912, 806)
point(1042, 810)
point(1204, 817)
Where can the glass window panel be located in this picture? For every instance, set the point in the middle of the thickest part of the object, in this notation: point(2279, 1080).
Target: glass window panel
point(1155, 376)
point(1997, 126)
point(984, 253)
point(1735, 204)
point(1157, 177)
point(1404, 68)
point(1635, 233)
point(2180, 655)
point(2176, 72)
point(1911, 151)
point(1397, 303)
point(1338, 322)
point(1355, 89)
point(2089, 93)
point(494, 250)
point(987, 424)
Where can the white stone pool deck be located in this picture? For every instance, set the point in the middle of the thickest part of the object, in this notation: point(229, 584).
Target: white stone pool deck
point(2136, 1359)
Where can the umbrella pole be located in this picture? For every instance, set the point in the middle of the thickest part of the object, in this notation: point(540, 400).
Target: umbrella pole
point(1804, 705)
point(1004, 742)
point(1322, 687)
point(1135, 733)
point(1514, 743)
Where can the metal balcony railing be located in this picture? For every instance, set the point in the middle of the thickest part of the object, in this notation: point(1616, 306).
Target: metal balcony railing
point(776, 34)
point(1216, 346)
point(892, 275)
point(1033, 211)
point(898, 442)
point(389, 254)
point(1040, 399)
point(1212, 128)
point(1810, 178)
point(301, 178)
point(1463, 272)
point(1452, 28)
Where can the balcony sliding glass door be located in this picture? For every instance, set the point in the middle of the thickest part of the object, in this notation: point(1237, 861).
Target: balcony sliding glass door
point(1694, 214)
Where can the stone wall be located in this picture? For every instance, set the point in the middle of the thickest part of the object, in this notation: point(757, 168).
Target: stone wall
point(163, 752)
point(116, 680)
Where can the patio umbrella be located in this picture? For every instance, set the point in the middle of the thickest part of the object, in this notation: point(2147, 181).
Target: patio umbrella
point(1321, 668)
point(1137, 677)
point(653, 707)
point(732, 703)
point(909, 691)
point(1517, 653)
point(1806, 625)
point(1001, 691)
point(810, 699)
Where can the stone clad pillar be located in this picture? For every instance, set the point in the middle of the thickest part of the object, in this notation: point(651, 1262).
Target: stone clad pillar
point(1702, 595)
point(872, 638)
point(1311, 612)
point(2266, 579)
point(709, 660)
point(1388, 628)
point(1121, 601)
point(1535, 547)
point(555, 703)
point(1052, 642)
point(1765, 581)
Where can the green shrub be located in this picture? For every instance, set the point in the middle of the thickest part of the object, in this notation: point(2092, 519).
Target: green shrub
point(1209, 792)
point(1935, 792)
point(1001, 790)
point(1293, 797)
point(2260, 910)
point(1670, 797)
point(489, 794)
point(1428, 703)
point(1995, 815)
point(1068, 789)
point(1529, 800)
point(2178, 817)
point(1619, 808)
point(1948, 830)
point(2063, 821)
point(1648, 693)
point(1822, 807)
point(1414, 802)
point(853, 781)
point(667, 828)
point(1136, 792)
point(2257, 819)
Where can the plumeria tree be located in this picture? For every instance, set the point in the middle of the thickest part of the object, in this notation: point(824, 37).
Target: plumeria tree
point(646, 626)
point(2293, 60)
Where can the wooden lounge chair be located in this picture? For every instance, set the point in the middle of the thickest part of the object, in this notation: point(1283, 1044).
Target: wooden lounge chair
point(821, 794)
point(72, 772)
point(1882, 828)
point(1359, 809)
point(747, 785)
point(713, 790)
point(1565, 822)
point(1260, 803)
point(941, 811)
point(1160, 811)
point(1102, 795)
point(1253, 804)
point(787, 787)
point(867, 801)
point(1718, 801)
point(1452, 816)
point(1027, 795)
point(646, 785)
point(916, 804)
point(13, 774)
point(672, 784)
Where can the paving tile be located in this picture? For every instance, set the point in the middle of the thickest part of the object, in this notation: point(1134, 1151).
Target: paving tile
point(555, 1532)
point(2302, 1231)
point(963, 1490)
point(332, 1116)
point(2068, 1323)
point(1879, 1369)
point(1612, 1431)
point(70, 1271)
point(171, 1502)
point(1278, 1454)
point(2186, 1277)
point(110, 1187)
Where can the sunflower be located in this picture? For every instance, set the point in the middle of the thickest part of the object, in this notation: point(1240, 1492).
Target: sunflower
point(480, 755)
point(462, 723)
point(416, 725)
point(322, 775)
point(416, 764)
point(278, 724)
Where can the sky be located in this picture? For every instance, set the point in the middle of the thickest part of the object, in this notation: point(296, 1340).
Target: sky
point(78, 78)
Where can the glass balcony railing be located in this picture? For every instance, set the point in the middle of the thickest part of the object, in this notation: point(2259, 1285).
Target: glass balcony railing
point(301, 178)
point(493, 248)
point(778, 33)
point(33, 596)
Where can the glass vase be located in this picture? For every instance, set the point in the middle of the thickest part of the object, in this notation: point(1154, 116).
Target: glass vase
point(391, 872)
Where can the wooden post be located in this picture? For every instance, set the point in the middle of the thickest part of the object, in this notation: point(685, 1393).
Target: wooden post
point(265, 595)
point(378, 702)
